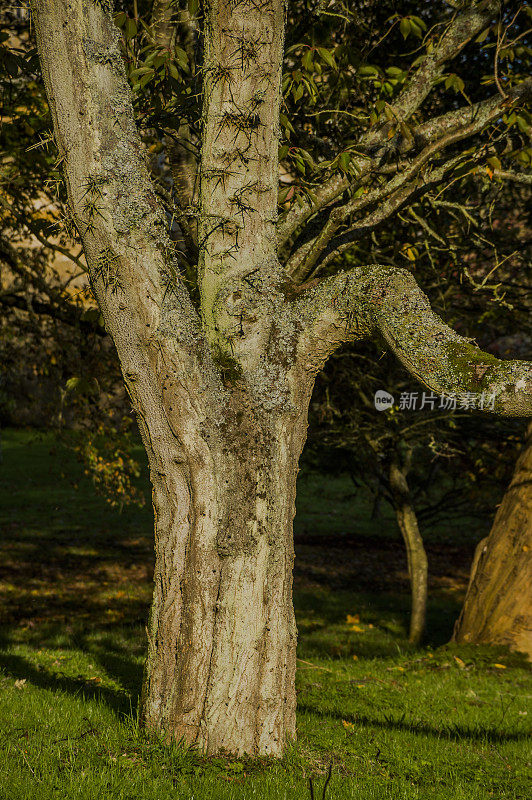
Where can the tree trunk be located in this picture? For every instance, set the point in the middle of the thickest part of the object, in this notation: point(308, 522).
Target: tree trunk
point(220, 376)
point(498, 605)
point(222, 637)
point(415, 550)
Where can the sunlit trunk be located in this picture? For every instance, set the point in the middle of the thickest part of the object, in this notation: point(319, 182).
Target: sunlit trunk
point(222, 636)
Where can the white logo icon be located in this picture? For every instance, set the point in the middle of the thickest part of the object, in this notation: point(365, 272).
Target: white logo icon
point(383, 400)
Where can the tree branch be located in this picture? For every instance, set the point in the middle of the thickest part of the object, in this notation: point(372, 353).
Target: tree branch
point(38, 235)
point(464, 26)
point(387, 302)
point(516, 177)
point(450, 128)
point(64, 313)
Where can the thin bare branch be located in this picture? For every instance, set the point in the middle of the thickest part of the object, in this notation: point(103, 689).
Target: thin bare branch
point(463, 27)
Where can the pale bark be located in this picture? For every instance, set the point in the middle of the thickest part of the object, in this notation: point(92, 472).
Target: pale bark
point(498, 605)
point(222, 637)
point(222, 393)
point(415, 549)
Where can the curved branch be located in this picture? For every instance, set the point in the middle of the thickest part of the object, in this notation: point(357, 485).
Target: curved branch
point(387, 302)
point(65, 312)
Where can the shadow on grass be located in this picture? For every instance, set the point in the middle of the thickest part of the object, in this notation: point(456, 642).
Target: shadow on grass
point(70, 560)
point(21, 668)
point(455, 732)
point(118, 649)
point(116, 661)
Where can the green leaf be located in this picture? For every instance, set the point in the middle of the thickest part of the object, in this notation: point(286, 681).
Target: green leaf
point(283, 194)
point(395, 72)
point(307, 157)
point(181, 57)
point(130, 29)
point(285, 122)
point(416, 30)
point(344, 160)
point(159, 60)
point(419, 22)
point(405, 27)
point(120, 19)
point(299, 163)
point(494, 162)
point(147, 78)
point(173, 70)
point(367, 71)
point(307, 60)
point(482, 36)
point(454, 82)
point(135, 74)
point(523, 124)
point(298, 92)
point(327, 56)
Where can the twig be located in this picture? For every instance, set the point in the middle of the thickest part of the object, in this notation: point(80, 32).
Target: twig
point(314, 666)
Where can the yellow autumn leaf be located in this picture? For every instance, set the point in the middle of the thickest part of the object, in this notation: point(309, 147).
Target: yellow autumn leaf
point(348, 725)
point(460, 663)
point(500, 666)
point(357, 629)
point(352, 619)
point(355, 658)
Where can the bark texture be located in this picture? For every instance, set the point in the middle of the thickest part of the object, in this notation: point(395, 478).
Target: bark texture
point(498, 604)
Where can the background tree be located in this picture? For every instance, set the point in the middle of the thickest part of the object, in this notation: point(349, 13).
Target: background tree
point(497, 606)
point(218, 340)
point(445, 464)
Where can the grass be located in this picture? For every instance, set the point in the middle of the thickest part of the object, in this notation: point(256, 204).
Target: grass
point(394, 721)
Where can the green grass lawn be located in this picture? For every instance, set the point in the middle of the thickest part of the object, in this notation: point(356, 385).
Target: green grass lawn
point(392, 720)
